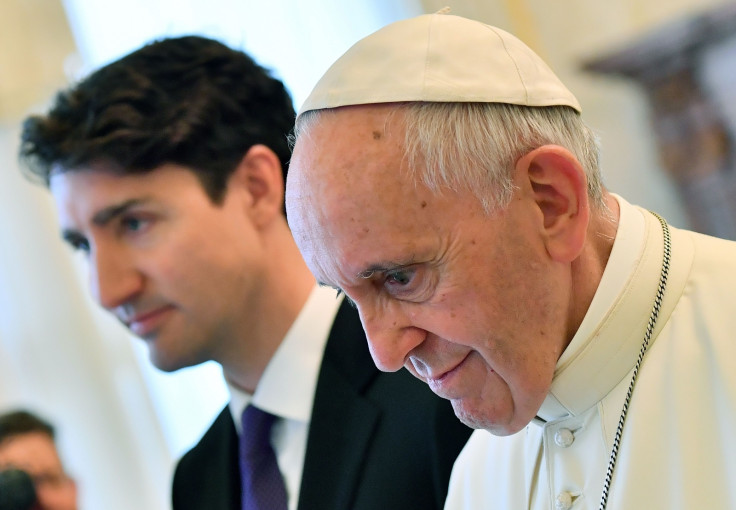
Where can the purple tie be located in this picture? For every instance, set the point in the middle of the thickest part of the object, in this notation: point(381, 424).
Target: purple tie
point(263, 486)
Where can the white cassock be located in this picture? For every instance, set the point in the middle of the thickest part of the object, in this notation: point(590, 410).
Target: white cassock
point(678, 447)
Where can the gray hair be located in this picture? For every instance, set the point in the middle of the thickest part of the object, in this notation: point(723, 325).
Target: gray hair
point(474, 146)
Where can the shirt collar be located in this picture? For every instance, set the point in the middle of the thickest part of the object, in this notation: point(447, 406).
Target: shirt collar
point(604, 348)
point(288, 383)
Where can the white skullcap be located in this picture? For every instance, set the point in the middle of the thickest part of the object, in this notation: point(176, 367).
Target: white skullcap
point(439, 58)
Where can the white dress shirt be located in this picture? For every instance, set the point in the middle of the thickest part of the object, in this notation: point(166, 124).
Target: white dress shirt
point(287, 386)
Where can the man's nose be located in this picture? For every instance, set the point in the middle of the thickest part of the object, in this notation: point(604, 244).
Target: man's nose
point(113, 277)
point(391, 336)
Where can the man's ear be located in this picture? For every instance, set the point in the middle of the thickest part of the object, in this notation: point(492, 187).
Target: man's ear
point(559, 189)
point(259, 175)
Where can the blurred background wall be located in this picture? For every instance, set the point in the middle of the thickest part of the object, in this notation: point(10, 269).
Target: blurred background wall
point(123, 424)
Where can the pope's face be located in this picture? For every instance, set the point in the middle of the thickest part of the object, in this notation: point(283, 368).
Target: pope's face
point(463, 299)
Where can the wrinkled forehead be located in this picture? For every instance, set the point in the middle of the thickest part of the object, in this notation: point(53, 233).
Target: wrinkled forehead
point(349, 131)
point(346, 178)
point(344, 152)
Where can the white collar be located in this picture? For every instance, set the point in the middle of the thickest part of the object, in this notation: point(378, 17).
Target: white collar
point(605, 346)
point(288, 383)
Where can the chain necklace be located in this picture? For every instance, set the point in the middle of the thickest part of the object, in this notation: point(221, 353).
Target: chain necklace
point(647, 337)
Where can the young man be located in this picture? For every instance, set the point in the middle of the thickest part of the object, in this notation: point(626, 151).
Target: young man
point(167, 168)
point(27, 443)
point(443, 179)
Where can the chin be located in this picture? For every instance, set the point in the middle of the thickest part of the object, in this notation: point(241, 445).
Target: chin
point(167, 363)
point(480, 418)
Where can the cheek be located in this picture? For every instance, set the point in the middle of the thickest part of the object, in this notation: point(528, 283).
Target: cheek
point(462, 316)
point(168, 268)
point(192, 275)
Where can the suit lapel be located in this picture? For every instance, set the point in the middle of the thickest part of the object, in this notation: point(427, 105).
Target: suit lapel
point(343, 420)
point(208, 476)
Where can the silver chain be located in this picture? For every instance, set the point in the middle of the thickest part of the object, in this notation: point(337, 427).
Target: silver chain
point(647, 337)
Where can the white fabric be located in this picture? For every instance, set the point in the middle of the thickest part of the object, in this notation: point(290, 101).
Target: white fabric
point(678, 449)
point(287, 386)
point(440, 58)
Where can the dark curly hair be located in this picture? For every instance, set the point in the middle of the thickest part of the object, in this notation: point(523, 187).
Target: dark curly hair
point(190, 101)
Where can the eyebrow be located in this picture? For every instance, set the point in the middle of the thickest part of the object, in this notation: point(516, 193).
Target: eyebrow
point(103, 217)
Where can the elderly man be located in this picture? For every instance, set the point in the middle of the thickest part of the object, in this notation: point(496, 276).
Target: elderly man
point(442, 178)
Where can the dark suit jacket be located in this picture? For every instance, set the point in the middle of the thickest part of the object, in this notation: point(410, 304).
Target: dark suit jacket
point(377, 441)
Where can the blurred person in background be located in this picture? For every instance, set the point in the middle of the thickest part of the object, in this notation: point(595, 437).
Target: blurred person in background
point(27, 444)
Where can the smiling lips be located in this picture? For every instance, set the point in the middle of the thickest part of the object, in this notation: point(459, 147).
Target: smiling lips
point(144, 324)
point(442, 384)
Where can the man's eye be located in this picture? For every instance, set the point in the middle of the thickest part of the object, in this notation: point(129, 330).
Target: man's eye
point(413, 283)
point(78, 243)
point(82, 246)
point(133, 224)
point(399, 277)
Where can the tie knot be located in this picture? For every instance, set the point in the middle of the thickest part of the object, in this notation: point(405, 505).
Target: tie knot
point(256, 430)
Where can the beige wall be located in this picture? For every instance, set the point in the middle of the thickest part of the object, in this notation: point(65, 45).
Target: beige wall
point(35, 44)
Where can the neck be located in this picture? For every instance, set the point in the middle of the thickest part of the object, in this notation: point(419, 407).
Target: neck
point(587, 269)
point(284, 289)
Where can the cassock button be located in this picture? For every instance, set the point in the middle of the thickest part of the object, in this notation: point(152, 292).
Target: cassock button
point(564, 438)
point(563, 501)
